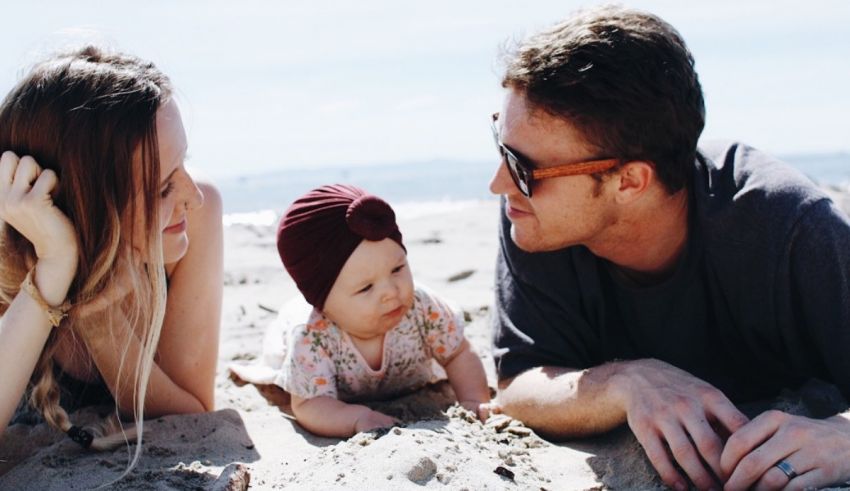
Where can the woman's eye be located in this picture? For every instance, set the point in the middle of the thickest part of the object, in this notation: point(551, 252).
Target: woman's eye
point(398, 268)
point(365, 288)
point(167, 189)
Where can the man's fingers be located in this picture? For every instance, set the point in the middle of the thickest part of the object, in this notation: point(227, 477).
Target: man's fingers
point(755, 467)
point(758, 467)
point(748, 437)
point(660, 459)
point(772, 479)
point(724, 412)
point(708, 443)
point(814, 479)
point(686, 456)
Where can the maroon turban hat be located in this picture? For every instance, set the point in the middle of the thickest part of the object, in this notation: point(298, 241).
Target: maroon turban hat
point(321, 229)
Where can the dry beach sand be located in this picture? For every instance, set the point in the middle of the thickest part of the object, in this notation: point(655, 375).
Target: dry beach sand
point(253, 438)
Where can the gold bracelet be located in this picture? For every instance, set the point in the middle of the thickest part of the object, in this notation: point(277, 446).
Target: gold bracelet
point(54, 314)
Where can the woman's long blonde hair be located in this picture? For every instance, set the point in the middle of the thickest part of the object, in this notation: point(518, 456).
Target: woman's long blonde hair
point(90, 115)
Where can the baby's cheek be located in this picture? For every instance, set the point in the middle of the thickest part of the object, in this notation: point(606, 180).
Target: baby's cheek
point(408, 301)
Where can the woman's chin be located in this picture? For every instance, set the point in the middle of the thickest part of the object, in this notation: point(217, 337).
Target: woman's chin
point(174, 248)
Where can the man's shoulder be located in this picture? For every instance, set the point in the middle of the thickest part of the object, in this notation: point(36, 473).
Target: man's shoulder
point(745, 196)
point(735, 180)
point(734, 171)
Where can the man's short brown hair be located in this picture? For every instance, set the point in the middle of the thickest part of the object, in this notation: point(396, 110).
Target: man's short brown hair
point(626, 80)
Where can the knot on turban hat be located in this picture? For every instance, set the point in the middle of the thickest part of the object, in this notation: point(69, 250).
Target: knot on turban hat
point(321, 229)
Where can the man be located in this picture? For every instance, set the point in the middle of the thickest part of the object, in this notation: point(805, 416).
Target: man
point(641, 281)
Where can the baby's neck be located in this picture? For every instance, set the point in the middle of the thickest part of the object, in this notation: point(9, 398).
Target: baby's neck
point(372, 349)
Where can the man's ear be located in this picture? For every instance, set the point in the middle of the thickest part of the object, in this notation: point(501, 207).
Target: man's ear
point(634, 178)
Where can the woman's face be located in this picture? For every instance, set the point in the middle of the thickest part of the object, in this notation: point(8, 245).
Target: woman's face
point(178, 193)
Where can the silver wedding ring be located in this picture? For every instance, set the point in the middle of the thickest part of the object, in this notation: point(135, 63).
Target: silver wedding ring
point(786, 469)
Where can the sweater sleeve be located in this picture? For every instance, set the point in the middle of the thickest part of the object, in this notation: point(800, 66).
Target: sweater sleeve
point(820, 286)
point(541, 309)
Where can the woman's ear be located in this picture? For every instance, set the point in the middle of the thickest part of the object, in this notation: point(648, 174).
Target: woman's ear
point(635, 177)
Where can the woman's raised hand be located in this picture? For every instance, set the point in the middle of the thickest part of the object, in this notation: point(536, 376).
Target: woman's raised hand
point(26, 204)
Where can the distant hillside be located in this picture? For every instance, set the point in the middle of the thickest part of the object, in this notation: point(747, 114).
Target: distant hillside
point(432, 181)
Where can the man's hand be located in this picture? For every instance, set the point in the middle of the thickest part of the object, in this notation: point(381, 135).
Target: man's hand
point(673, 413)
point(818, 451)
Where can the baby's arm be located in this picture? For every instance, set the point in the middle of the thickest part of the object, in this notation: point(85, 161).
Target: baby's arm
point(466, 374)
point(326, 416)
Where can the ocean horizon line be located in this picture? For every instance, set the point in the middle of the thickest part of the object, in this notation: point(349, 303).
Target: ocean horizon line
point(433, 181)
point(791, 158)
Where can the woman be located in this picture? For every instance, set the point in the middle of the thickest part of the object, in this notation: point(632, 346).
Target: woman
point(101, 220)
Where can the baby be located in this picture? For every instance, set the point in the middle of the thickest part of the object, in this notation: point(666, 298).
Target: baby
point(372, 333)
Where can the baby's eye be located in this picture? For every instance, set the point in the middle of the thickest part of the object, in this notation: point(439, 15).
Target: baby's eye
point(169, 187)
point(398, 268)
point(365, 288)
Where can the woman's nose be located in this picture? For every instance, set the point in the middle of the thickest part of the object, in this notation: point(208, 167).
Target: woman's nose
point(193, 197)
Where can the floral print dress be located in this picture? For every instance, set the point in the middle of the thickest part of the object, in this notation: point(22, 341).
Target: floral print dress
point(321, 359)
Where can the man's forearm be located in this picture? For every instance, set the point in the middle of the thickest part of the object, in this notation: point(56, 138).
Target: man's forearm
point(562, 403)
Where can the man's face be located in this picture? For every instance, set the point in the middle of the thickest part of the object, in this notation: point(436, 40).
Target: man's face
point(563, 211)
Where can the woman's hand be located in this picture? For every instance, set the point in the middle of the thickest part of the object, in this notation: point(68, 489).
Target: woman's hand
point(26, 204)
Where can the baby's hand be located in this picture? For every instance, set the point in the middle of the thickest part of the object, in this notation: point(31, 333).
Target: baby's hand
point(371, 420)
point(482, 409)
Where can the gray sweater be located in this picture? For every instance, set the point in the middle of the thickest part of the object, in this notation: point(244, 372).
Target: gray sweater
point(760, 300)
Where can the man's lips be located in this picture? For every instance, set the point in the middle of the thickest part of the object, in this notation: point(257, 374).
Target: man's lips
point(177, 228)
point(514, 212)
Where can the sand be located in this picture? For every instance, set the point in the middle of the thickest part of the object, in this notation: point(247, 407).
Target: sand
point(253, 440)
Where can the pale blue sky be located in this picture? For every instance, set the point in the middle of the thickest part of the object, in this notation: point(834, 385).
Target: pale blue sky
point(275, 85)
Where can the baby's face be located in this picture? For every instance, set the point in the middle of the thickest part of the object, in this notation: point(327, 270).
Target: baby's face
point(373, 291)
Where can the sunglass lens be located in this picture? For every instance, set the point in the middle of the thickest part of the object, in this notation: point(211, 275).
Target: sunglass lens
point(517, 173)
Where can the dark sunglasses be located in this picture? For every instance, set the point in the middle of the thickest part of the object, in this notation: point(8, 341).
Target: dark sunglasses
point(524, 175)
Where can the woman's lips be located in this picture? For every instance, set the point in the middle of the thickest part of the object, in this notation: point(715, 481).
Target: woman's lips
point(177, 228)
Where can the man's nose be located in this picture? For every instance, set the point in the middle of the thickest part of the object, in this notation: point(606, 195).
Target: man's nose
point(501, 182)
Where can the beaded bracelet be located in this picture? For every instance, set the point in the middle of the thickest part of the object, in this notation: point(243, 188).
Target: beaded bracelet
point(81, 436)
point(54, 314)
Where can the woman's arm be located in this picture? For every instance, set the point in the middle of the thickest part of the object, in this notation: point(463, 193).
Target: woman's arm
point(24, 330)
point(182, 379)
point(326, 416)
point(27, 206)
point(188, 345)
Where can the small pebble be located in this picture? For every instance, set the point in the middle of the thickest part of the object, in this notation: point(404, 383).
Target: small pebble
point(507, 473)
point(519, 430)
point(499, 422)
